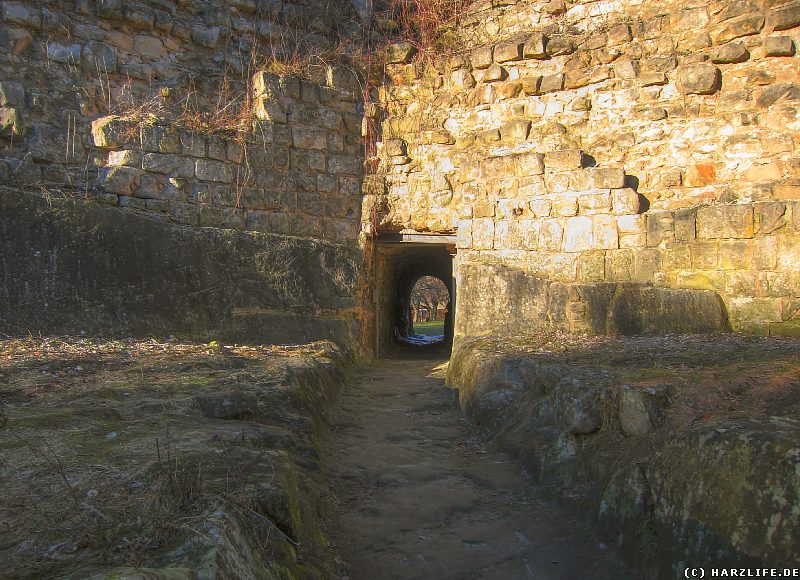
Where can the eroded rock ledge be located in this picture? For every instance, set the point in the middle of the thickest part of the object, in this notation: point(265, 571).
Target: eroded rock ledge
point(147, 459)
point(682, 448)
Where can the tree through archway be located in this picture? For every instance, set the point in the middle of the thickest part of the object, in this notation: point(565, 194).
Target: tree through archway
point(429, 303)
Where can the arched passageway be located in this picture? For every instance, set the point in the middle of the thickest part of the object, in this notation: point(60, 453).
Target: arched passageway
point(399, 267)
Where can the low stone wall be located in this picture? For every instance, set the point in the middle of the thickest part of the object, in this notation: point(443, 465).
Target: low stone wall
point(297, 171)
point(72, 266)
point(674, 464)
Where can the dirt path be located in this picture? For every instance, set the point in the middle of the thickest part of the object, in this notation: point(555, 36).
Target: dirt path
point(415, 497)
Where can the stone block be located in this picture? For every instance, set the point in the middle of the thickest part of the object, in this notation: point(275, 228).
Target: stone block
point(592, 267)
point(565, 205)
point(619, 34)
point(215, 171)
point(483, 234)
point(126, 157)
point(685, 225)
point(770, 217)
point(784, 17)
point(551, 83)
point(740, 283)
point(159, 139)
point(779, 46)
point(65, 54)
point(699, 79)
point(619, 265)
point(625, 201)
point(529, 234)
point(206, 36)
point(578, 234)
point(565, 159)
point(515, 131)
point(159, 163)
point(701, 280)
point(551, 235)
point(482, 57)
point(632, 224)
point(736, 254)
point(120, 180)
point(535, 46)
point(725, 221)
point(660, 228)
point(464, 234)
point(594, 203)
point(307, 138)
point(532, 85)
point(483, 210)
point(462, 79)
point(746, 25)
point(530, 164)
point(494, 73)
point(270, 109)
point(508, 52)
point(113, 132)
point(16, 13)
point(606, 236)
point(608, 178)
point(559, 46)
point(626, 68)
point(541, 208)
point(732, 52)
point(150, 187)
point(704, 254)
point(12, 95)
point(756, 309)
point(580, 181)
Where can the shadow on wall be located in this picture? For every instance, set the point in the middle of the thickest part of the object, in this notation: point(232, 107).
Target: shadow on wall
point(495, 299)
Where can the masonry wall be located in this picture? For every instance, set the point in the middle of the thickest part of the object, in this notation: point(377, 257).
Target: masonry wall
point(597, 147)
point(172, 174)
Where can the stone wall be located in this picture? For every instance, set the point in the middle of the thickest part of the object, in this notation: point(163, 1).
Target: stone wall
point(167, 183)
point(71, 61)
point(593, 144)
point(297, 171)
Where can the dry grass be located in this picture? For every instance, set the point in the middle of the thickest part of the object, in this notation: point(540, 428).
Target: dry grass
point(104, 457)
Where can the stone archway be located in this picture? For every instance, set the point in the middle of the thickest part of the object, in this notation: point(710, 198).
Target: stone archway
point(399, 266)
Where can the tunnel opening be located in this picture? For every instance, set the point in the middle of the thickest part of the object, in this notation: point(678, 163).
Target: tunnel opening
point(412, 281)
point(428, 310)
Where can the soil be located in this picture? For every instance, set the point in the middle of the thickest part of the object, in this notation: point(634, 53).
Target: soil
point(414, 494)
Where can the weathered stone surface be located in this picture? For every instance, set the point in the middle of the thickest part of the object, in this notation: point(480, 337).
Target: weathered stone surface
point(699, 79)
point(779, 46)
point(732, 52)
point(641, 408)
point(725, 221)
point(784, 17)
point(113, 132)
point(564, 159)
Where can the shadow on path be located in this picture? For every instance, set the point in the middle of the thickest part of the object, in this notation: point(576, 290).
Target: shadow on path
point(413, 495)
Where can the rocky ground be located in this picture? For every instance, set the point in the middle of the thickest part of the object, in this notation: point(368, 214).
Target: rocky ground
point(168, 460)
point(683, 448)
point(162, 459)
